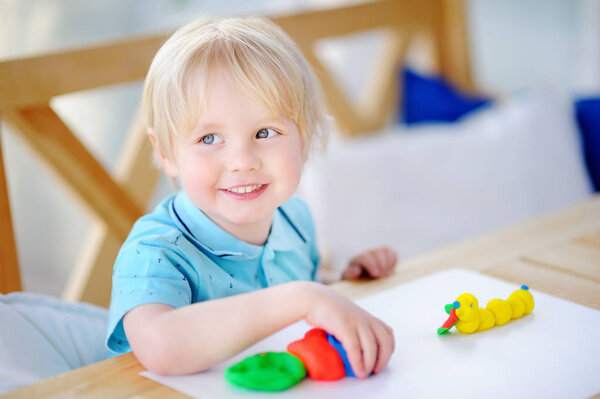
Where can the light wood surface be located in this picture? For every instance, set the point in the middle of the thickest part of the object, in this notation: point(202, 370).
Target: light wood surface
point(27, 85)
point(558, 254)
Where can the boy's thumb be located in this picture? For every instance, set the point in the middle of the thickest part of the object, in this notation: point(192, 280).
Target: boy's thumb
point(353, 271)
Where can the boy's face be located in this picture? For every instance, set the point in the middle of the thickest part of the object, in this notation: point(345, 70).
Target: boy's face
point(240, 162)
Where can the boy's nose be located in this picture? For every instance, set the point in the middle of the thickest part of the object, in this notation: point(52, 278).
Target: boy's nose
point(242, 158)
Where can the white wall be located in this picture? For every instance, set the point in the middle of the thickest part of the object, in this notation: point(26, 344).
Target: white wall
point(517, 44)
point(520, 44)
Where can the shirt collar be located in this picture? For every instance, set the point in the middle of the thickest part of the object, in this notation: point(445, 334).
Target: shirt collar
point(284, 234)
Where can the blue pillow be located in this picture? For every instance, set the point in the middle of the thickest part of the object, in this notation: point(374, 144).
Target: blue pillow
point(588, 117)
point(432, 99)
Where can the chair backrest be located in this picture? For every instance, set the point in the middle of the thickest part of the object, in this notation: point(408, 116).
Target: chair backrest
point(27, 85)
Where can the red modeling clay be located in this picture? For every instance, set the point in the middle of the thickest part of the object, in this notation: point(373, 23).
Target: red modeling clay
point(452, 319)
point(322, 361)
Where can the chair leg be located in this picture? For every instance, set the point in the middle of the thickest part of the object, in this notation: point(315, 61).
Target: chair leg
point(10, 279)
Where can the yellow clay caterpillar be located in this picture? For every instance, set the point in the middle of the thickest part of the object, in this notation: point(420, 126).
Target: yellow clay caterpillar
point(468, 317)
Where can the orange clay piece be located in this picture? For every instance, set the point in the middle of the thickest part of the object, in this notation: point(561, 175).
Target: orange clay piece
point(322, 361)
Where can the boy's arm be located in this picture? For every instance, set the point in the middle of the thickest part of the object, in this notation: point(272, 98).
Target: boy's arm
point(196, 337)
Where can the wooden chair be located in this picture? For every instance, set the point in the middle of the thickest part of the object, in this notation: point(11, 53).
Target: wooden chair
point(28, 84)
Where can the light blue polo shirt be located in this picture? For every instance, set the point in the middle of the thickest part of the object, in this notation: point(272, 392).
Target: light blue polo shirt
point(177, 256)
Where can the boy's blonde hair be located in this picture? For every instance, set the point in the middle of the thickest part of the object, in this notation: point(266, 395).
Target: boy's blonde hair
point(261, 57)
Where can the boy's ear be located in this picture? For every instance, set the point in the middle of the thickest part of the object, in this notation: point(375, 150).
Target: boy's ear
point(168, 166)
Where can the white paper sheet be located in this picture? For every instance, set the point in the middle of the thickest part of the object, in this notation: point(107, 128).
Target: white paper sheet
point(552, 353)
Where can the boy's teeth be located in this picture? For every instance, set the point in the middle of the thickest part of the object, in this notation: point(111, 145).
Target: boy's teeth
point(245, 189)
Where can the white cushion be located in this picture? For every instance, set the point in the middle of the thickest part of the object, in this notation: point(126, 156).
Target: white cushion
point(416, 189)
point(42, 336)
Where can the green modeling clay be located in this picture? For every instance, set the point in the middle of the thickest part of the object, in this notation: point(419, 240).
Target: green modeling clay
point(270, 371)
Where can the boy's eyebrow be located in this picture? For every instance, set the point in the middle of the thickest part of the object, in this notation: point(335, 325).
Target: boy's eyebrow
point(210, 125)
point(203, 127)
point(269, 119)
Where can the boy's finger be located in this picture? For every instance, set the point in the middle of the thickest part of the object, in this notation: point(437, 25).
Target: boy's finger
point(372, 264)
point(385, 339)
point(384, 261)
point(368, 343)
point(389, 256)
point(352, 271)
point(391, 260)
point(393, 256)
point(353, 350)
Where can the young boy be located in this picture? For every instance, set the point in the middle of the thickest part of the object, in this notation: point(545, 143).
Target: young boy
point(232, 109)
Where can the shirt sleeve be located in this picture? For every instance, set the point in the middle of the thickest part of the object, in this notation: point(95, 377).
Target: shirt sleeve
point(146, 271)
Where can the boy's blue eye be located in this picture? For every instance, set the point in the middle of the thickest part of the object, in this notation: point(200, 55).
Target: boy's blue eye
point(211, 139)
point(265, 133)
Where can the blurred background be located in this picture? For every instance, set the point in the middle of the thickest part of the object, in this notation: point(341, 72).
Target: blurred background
point(516, 46)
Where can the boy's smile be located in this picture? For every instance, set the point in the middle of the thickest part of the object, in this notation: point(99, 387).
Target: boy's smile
point(239, 162)
point(248, 192)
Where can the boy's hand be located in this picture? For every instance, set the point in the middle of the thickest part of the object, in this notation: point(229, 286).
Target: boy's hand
point(375, 263)
point(368, 341)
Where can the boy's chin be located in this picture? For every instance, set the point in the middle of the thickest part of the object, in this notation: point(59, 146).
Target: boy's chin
point(248, 220)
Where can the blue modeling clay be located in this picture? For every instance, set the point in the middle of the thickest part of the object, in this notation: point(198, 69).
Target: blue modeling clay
point(340, 349)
